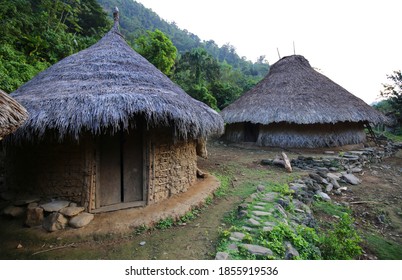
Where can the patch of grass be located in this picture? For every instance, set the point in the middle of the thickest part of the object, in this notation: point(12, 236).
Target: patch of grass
point(224, 187)
point(165, 223)
point(330, 208)
point(141, 229)
point(383, 248)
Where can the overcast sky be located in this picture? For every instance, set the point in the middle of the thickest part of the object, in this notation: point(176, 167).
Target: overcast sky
point(354, 43)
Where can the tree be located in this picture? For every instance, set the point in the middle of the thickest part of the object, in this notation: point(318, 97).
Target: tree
point(37, 33)
point(393, 92)
point(158, 49)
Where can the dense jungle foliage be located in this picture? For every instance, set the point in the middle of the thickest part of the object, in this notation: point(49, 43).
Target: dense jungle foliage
point(37, 33)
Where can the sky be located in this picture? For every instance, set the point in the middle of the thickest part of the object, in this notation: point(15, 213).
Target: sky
point(354, 43)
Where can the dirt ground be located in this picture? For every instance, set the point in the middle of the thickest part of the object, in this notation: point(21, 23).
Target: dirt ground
point(376, 205)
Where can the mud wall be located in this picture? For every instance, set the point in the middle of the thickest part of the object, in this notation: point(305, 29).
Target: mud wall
point(173, 166)
point(49, 170)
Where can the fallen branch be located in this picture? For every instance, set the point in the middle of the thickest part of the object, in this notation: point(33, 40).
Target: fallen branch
point(364, 202)
point(54, 248)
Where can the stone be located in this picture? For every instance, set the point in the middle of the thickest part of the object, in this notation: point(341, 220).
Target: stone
point(323, 196)
point(291, 252)
point(54, 222)
point(260, 188)
point(329, 152)
point(297, 186)
point(246, 228)
point(329, 187)
point(13, 211)
point(253, 222)
point(267, 228)
point(335, 176)
point(23, 202)
point(351, 179)
point(71, 211)
point(55, 206)
point(237, 236)
point(356, 170)
point(281, 210)
point(242, 213)
point(257, 250)
point(334, 183)
point(142, 243)
point(343, 189)
point(270, 197)
point(233, 246)
point(261, 213)
point(258, 207)
point(81, 220)
point(35, 215)
point(283, 202)
point(315, 177)
point(222, 256)
point(333, 169)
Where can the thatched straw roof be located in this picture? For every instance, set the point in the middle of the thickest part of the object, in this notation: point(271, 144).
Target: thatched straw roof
point(108, 85)
point(12, 114)
point(294, 92)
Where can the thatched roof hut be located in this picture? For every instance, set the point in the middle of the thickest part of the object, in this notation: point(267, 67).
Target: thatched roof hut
point(108, 130)
point(12, 114)
point(294, 105)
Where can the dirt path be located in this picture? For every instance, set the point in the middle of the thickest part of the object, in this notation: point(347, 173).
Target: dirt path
point(196, 239)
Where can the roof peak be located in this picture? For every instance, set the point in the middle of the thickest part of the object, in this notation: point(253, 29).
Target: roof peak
point(116, 18)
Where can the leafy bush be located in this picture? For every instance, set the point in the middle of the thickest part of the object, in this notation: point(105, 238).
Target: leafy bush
point(341, 242)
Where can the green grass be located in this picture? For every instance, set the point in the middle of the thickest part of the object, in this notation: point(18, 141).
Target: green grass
point(383, 249)
point(330, 208)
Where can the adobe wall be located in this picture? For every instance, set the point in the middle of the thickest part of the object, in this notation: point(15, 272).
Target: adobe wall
point(173, 166)
point(48, 170)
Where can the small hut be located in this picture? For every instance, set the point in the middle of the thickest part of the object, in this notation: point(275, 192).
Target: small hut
point(12, 114)
point(295, 106)
point(107, 130)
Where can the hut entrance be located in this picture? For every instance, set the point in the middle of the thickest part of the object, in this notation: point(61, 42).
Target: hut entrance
point(251, 131)
point(121, 171)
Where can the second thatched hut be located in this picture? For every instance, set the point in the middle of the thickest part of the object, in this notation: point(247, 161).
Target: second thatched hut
point(107, 130)
point(296, 106)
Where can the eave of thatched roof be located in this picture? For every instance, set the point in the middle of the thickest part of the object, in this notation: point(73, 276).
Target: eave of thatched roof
point(294, 92)
point(107, 86)
point(12, 114)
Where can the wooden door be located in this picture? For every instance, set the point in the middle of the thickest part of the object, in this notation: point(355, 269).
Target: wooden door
point(110, 171)
point(121, 169)
point(132, 166)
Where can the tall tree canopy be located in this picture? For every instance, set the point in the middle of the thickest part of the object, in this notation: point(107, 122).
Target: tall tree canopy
point(393, 92)
point(38, 33)
point(158, 49)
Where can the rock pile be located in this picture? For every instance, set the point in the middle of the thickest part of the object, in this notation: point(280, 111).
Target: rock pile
point(52, 216)
point(262, 211)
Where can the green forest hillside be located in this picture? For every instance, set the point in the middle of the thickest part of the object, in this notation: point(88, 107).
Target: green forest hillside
point(37, 33)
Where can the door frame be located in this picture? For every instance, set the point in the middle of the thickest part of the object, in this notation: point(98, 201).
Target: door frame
point(145, 180)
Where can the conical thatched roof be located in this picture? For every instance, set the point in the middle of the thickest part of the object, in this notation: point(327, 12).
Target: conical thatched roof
point(12, 114)
point(294, 92)
point(106, 86)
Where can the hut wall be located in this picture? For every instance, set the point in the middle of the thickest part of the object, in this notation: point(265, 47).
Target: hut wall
point(50, 170)
point(234, 132)
point(312, 135)
point(173, 166)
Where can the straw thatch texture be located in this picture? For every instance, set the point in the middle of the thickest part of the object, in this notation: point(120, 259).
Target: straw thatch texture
point(311, 135)
point(294, 92)
point(12, 114)
point(106, 87)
